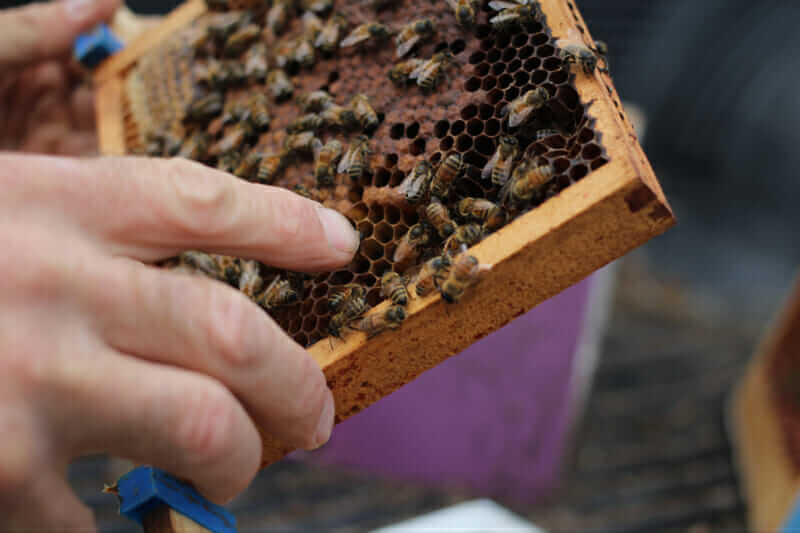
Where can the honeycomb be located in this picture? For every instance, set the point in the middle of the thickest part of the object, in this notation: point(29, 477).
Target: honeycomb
point(464, 114)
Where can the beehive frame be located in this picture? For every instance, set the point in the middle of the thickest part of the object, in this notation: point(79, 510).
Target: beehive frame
point(597, 219)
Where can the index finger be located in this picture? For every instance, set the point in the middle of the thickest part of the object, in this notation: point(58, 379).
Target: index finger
point(151, 209)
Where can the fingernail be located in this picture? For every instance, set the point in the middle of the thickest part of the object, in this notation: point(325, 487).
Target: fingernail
point(78, 10)
point(340, 233)
point(325, 424)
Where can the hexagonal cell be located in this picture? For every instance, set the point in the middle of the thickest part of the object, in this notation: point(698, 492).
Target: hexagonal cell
point(412, 130)
point(391, 160)
point(472, 84)
point(597, 163)
point(482, 31)
point(485, 145)
point(561, 164)
point(519, 40)
point(475, 159)
point(375, 214)
point(446, 144)
point(340, 278)
point(410, 218)
point(498, 68)
point(495, 96)
point(494, 55)
point(475, 127)
point(365, 228)
point(374, 297)
point(358, 211)
point(505, 81)
point(417, 147)
point(514, 66)
point(488, 83)
point(578, 172)
point(381, 267)
point(492, 127)
point(511, 93)
point(469, 111)
point(559, 76)
point(525, 52)
point(441, 128)
point(463, 143)
point(487, 44)
point(383, 232)
point(372, 249)
point(458, 46)
point(320, 290)
point(591, 151)
point(485, 111)
point(393, 214)
point(552, 63)
point(483, 69)
point(309, 323)
point(301, 339)
point(503, 40)
point(321, 307)
point(435, 158)
point(538, 39)
point(545, 51)
point(538, 77)
point(397, 131)
point(381, 177)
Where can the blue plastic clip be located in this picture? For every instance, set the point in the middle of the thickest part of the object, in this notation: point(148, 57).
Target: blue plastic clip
point(142, 490)
point(93, 48)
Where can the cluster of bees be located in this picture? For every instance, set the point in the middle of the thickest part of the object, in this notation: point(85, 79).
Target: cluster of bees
point(249, 48)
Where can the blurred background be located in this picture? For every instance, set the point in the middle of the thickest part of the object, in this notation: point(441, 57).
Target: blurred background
point(714, 82)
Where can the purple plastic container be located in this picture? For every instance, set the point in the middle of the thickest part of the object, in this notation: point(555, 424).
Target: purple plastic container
point(495, 418)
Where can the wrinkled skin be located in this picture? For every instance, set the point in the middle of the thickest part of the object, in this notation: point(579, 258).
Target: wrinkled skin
point(101, 352)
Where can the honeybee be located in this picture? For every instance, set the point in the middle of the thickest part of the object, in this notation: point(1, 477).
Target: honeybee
point(229, 161)
point(279, 85)
point(412, 244)
point(304, 54)
point(205, 107)
point(394, 287)
point(434, 272)
point(490, 214)
point(300, 143)
point(248, 165)
point(230, 73)
point(528, 180)
point(278, 16)
point(413, 33)
point(250, 280)
point(315, 102)
point(501, 164)
point(521, 109)
point(356, 161)
point(446, 174)
point(336, 116)
point(309, 122)
point(465, 236)
point(258, 109)
point(312, 26)
point(349, 309)
point(400, 74)
point(376, 323)
point(234, 111)
point(283, 55)
point(511, 14)
point(256, 62)
point(318, 7)
point(198, 42)
point(328, 39)
point(195, 146)
point(439, 217)
point(416, 184)
point(464, 273)
point(203, 263)
point(279, 293)
point(350, 292)
point(465, 10)
point(222, 25)
point(232, 141)
point(369, 33)
point(364, 112)
point(328, 158)
point(270, 168)
point(430, 73)
point(573, 49)
point(239, 40)
point(230, 267)
point(305, 192)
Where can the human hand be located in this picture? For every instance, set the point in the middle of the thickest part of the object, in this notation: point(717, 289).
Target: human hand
point(102, 353)
point(45, 103)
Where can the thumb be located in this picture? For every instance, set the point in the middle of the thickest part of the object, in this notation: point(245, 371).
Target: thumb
point(46, 30)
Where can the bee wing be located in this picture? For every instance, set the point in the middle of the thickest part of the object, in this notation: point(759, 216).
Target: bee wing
point(405, 47)
point(346, 162)
point(573, 37)
point(358, 35)
point(486, 173)
point(420, 70)
point(515, 118)
point(453, 4)
point(500, 5)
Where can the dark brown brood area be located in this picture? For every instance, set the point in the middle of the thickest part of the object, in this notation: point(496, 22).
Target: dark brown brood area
point(464, 114)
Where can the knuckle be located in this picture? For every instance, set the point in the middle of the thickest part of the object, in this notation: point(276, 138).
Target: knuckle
point(206, 429)
point(204, 203)
point(306, 404)
point(229, 328)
